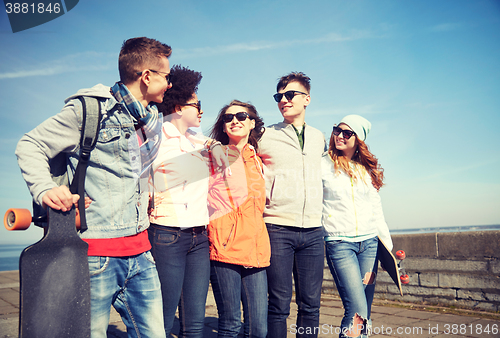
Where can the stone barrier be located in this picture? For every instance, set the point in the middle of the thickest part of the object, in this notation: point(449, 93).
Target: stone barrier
point(459, 269)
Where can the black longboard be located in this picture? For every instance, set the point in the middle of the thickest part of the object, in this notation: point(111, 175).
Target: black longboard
point(389, 263)
point(55, 282)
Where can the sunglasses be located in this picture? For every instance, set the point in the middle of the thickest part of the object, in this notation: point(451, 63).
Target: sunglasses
point(196, 105)
point(241, 116)
point(346, 133)
point(167, 76)
point(289, 95)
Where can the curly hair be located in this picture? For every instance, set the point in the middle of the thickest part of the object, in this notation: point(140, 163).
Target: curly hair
point(363, 156)
point(184, 85)
point(299, 77)
point(217, 131)
point(140, 52)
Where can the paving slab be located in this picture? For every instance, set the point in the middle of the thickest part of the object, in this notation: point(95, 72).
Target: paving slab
point(389, 319)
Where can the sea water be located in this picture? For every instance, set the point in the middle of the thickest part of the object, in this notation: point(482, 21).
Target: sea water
point(9, 253)
point(9, 256)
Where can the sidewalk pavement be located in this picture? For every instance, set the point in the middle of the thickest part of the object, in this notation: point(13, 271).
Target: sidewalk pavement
point(390, 319)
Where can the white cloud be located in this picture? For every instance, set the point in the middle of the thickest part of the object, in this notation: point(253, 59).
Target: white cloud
point(87, 61)
point(446, 27)
point(363, 110)
point(263, 45)
point(90, 61)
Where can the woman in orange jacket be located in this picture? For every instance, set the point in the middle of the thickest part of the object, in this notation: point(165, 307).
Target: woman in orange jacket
point(239, 243)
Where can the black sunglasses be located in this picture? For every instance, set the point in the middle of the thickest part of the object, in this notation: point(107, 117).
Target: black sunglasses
point(241, 116)
point(196, 105)
point(289, 95)
point(345, 132)
point(167, 77)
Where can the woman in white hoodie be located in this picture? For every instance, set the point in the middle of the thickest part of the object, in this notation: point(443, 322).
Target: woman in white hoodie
point(179, 217)
point(353, 220)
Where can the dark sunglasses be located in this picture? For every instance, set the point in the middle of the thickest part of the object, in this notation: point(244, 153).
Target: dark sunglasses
point(289, 95)
point(241, 116)
point(196, 105)
point(167, 77)
point(346, 133)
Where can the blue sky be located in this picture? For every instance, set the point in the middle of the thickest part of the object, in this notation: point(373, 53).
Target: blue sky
point(425, 73)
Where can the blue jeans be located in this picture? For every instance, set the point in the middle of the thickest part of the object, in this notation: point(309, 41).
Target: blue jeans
point(233, 284)
point(183, 263)
point(132, 286)
point(301, 251)
point(354, 269)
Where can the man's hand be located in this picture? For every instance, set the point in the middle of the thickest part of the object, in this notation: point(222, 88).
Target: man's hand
point(60, 198)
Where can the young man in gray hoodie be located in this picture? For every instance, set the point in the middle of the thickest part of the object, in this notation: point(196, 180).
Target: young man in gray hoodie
point(122, 270)
point(292, 151)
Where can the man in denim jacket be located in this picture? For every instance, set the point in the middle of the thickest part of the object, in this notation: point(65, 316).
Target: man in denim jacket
point(122, 271)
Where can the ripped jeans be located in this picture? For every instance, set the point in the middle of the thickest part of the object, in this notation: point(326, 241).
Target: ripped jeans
point(354, 268)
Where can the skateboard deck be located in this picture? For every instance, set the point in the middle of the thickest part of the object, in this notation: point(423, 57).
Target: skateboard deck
point(55, 282)
point(389, 263)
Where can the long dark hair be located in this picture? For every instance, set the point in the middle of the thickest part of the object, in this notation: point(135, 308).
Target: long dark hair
point(217, 131)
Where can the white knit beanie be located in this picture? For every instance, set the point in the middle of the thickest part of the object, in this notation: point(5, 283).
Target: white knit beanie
point(358, 124)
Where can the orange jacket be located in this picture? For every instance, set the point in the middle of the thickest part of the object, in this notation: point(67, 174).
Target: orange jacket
point(237, 232)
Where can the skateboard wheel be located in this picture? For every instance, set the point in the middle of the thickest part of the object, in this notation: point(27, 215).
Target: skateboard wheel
point(400, 255)
point(405, 279)
point(17, 219)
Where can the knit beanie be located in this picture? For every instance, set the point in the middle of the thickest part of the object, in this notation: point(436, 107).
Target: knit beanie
point(358, 124)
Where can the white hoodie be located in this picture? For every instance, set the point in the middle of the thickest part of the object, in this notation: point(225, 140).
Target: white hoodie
point(180, 180)
point(352, 209)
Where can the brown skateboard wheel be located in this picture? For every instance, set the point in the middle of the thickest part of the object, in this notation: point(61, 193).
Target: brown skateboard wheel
point(405, 279)
point(400, 255)
point(17, 219)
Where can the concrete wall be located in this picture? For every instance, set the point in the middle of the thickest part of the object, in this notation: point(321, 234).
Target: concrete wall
point(459, 269)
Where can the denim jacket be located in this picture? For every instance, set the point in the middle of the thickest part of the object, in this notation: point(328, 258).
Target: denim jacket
point(113, 183)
